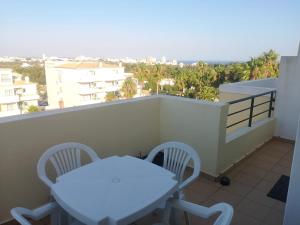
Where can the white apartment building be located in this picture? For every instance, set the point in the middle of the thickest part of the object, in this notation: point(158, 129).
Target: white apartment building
point(80, 83)
point(16, 95)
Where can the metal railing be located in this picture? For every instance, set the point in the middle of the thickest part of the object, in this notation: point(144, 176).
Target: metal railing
point(252, 106)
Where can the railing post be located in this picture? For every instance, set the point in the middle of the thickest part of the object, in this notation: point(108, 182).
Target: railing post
point(271, 104)
point(251, 112)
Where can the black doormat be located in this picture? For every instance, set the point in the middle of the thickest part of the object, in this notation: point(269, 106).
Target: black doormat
point(280, 189)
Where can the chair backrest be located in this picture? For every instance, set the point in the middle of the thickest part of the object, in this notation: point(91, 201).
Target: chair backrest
point(176, 158)
point(225, 210)
point(64, 158)
point(21, 214)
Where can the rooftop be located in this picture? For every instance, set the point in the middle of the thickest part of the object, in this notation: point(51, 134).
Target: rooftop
point(22, 82)
point(87, 65)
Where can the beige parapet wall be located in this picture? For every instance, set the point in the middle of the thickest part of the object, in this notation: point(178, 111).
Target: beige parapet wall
point(244, 141)
point(200, 124)
point(110, 129)
point(124, 127)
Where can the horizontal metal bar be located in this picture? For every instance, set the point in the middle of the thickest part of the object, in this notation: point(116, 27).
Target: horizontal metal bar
point(260, 113)
point(249, 97)
point(242, 110)
point(231, 125)
point(262, 103)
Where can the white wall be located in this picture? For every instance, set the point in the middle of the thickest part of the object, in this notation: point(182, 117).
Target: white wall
point(200, 124)
point(287, 106)
point(292, 209)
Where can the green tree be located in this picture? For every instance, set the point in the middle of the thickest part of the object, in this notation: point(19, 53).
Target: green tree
point(202, 80)
point(33, 108)
point(129, 88)
point(110, 96)
point(36, 73)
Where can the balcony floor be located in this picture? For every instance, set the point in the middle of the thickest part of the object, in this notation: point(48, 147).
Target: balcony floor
point(251, 180)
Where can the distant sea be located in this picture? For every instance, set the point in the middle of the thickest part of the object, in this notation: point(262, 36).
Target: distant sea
point(189, 62)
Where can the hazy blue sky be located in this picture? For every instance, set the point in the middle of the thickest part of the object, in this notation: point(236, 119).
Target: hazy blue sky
point(186, 29)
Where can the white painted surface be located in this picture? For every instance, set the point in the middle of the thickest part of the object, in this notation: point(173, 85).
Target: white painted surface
point(287, 106)
point(292, 209)
point(75, 83)
point(115, 190)
point(251, 87)
point(9, 99)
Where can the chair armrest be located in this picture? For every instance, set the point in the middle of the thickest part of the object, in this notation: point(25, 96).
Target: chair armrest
point(225, 209)
point(19, 213)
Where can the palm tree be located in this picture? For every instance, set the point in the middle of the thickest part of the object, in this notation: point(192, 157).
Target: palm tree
point(129, 88)
point(110, 96)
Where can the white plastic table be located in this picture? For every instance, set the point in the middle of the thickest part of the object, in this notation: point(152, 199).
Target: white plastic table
point(115, 190)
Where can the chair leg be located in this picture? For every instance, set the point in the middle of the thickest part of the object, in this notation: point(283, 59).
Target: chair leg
point(55, 217)
point(186, 218)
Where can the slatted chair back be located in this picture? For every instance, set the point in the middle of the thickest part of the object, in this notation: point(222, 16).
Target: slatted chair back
point(64, 158)
point(176, 158)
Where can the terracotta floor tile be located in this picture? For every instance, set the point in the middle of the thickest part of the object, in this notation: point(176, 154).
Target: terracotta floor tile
point(242, 219)
point(253, 209)
point(246, 179)
point(261, 164)
point(195, 220)
point(285, 163)
point(224, 196)
point(272, 177)
point(254, 171)
point(237, 188)
point(278, 205)
point(261, 197)
point(268, 158)
point(264, 186)
point(198, 192)
point(281, 169)
point(273, 217)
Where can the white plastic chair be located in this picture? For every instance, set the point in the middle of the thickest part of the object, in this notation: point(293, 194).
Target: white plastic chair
point(21, 214)
point(50, 209)
point(64, 158)
point(225, 210)
point(176, 158)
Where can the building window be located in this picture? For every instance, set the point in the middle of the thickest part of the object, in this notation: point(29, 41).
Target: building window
point(59, 76)
point(86, 97)
point(7, 107)
point(10, 107)
point(6, 78)
point(8, 92)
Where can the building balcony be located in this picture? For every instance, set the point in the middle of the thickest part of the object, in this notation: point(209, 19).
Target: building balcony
point(87, 79)
point(87, 91)
point(16, 98)
point(249, 155)
point(30, 97)
point(9, 113)
point(109, 88)
point(126, 127)
point(9, 99)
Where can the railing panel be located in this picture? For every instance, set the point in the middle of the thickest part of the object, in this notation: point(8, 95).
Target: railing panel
point(255, 109)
